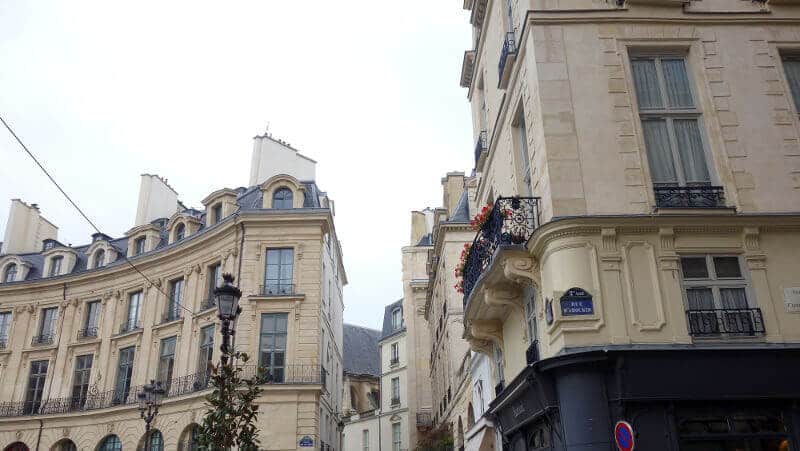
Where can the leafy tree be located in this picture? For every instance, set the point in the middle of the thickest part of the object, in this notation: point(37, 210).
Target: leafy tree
point(230, 421)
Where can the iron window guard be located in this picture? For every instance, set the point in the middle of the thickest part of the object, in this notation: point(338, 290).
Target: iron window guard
point(716, 322)
point(689, 196)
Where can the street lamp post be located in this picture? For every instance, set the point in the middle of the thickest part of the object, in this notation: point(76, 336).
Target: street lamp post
point(149, 402)
point(227, 297)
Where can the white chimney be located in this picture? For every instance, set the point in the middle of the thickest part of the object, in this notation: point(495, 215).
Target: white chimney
point(273, 156)
point(26, 229)
point(156, 200)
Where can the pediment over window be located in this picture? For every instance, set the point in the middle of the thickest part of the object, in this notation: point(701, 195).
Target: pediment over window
point(282, 190)
point(143, 238)
point(14, 268)
point(219, 205)
point(181, 225)
point(100, 253)
point(59, 261)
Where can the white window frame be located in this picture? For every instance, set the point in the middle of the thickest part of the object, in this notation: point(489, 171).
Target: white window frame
point(792, 54)
point(397, 436)
point(397, 318)
point(530, 313)
point(715, 283)
point(365, 440)
point(394, 354)
point(395, 390)
point(670, 114)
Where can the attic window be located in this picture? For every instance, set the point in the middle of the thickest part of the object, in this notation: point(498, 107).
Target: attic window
point(138, 246)
point(216, 213)
point(49, 245)
point(55, 266)
point(180, 232)
point(282, 199)
point(10, 274)
point(99, 258)
point(397, 319)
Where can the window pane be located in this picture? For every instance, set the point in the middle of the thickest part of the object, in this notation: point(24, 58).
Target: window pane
point(690, 148)
point(679, 94)
point(700, 298)
point(659, 153)
point(733, 297)
point(727, 267)
point(646, 80)
point(792, 68)
point(694, 267)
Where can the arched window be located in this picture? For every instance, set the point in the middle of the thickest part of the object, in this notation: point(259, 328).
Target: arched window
point(180, 232)
point(190, 438)
point(282, 199)
point(110, 443)
point(154, 442)
point(99, 258)
point(11, 273)
point(65, 445)
point(17, 446)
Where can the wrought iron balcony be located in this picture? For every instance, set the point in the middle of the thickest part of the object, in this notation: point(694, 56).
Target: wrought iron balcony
point(511, 221)
point(87, 333)
point(208, 303)
point(731, 322)
point(3, 343)
point(481, 146)
point(395, 402)
point(130, 326)
point(394, 361)
point(300, 374)
point(170, 316)
point(689, 196)
point(43, 339)
point(507, 56)
point(277, 289)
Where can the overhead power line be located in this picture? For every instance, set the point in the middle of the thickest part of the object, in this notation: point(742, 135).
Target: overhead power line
point(91, 223)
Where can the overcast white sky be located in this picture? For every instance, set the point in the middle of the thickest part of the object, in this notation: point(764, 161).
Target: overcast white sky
point(104, 91)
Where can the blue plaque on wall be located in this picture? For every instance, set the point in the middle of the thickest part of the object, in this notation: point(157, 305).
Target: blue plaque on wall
point(575, 302)
point(306, 442)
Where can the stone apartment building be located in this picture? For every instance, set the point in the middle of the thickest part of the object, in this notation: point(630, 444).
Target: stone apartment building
point(361, 389)
point(639, 263)
point(395, 413)
point(81, 330)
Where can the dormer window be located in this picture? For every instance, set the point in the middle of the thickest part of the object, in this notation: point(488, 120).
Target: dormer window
point(10, 274)
point(99, 258)
point(216, 213)
point(49, 245)
point(55, 266)
point(138, 245)
point(282, 199)
point(397, 319)
point(180, 232)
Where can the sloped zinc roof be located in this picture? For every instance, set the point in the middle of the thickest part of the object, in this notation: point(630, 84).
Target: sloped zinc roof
point(361, 354)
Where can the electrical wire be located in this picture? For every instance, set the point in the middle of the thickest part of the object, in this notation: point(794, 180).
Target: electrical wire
point(91, 223)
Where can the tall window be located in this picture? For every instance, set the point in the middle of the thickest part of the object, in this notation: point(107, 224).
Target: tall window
point(214, 278)
point(479, 396)
point(272, 345)
point(670, 121)
point(716, 282)
point(395, 353)
point(55, 266)
point(138, 245)
point(520, 134)
point(395, 391)
point(47, 327)
point(180, 232)
point(5, 323)
point(278, 277)
point(166, 362)
point(10, 274)
point(33, 396)
point(92, 319)
point(81, 379)
point(205, 361)
point(365, 440)
point(397, 318)
point(99, 258)
point(282, 199)
point(498, 363)
point(124, 374)
point(216, 213)
point(175, 298)
point(791, 65)
point(156, 441)
point(134, 311)
point(396, 437)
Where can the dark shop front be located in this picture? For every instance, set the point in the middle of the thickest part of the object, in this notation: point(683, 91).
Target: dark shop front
point(687, 399)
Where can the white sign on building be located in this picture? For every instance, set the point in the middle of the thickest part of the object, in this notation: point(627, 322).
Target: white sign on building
point(791, 296)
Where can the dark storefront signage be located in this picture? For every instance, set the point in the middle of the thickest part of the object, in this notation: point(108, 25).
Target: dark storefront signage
point(623, 436)
point(576, 301)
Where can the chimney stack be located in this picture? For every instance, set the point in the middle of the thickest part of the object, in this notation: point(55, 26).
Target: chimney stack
point(26, 229)
point(452, 187)
point(156, 199)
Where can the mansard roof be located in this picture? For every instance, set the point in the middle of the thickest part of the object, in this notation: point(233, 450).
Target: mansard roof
point(361, 354)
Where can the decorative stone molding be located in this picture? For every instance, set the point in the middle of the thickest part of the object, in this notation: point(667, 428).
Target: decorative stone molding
point(487, 330)
point(667, 238)
point(283, 181)
point(504, 297)
point(756, 262)
point(750, 237)
point(609, 237)
point(521, 270)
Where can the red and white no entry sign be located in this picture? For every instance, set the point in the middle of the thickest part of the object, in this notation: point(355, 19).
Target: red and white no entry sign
point(623, 436)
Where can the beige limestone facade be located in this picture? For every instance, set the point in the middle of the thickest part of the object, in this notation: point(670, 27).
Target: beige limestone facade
point(394, 419)
point(642, 158)
point(82, 330)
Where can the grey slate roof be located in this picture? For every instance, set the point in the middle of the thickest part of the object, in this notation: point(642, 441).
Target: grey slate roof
point(361, 354)
point(248, 199)
point(425, 240)
point(387, 320)
point(461, 212)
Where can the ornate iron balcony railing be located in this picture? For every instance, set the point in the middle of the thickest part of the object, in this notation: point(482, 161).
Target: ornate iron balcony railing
point(3, 342)
point(129, 326)
point(43, 339)
point(178, 386)
point(509, 48)
point(511, 221)
point(87, 332)
point(735, 322)
point(689, 196)
point(395, 401)
point(277, 289)
point(481, 146)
